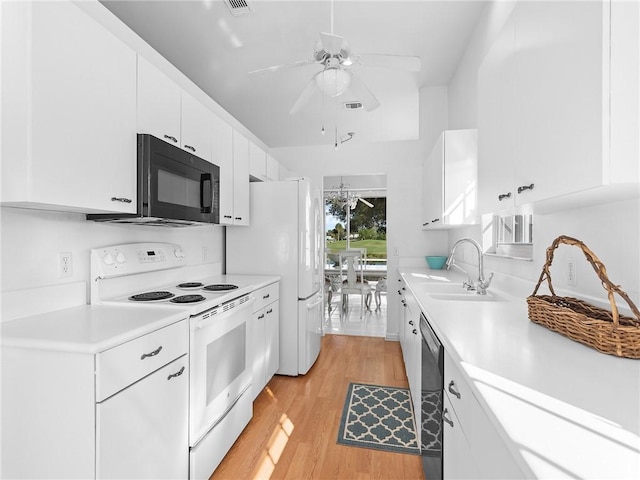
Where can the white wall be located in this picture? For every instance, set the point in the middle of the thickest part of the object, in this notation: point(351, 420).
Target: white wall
point(32, 239)
point(401, 162)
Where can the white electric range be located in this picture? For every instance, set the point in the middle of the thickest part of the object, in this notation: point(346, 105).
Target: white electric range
point(218, 308)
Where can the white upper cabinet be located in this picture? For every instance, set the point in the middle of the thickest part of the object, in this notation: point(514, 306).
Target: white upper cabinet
point(546, 103)
point(222, 155)
point(240, 179)
point(273, 169)
point(68, 105)
point(159, 103)
point(197, 124)
point(450, 181)
point(171, 114)
point(257, 162)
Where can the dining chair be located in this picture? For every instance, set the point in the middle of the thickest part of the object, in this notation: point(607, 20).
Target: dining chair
point(354, 262)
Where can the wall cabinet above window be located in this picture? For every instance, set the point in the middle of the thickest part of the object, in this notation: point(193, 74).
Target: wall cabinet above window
point(556, 105)
point(449, 194)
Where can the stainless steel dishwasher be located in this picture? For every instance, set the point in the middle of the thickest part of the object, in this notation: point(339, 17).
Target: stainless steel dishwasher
point(432, 377)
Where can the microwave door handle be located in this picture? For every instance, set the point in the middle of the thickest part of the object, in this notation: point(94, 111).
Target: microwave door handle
point(205, 178)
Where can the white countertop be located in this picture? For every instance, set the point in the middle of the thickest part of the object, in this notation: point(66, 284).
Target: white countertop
point(563, 409)
point(96, 328)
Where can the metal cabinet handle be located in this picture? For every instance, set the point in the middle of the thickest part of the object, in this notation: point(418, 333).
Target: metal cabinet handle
point(410, 322)
point(523, 188)
point(453, 390)
point(415, 332)
point(502, 196)
point(269, 311)
point(190, 148)
point(445, 418)
point(435, 220)
point(121, 199)
point(238, 218)
point(173, 139)
point(399, 292)
point(177, 374)
point(403, 303)
point(228, 216)
point(425, 224)
point(266, 296)
point(152, 354)
point(260, 317)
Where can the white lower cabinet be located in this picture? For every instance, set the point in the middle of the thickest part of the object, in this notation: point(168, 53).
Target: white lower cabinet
point(472, 446)
point(264, 336)
point(457, 460)
point(61, 419)
point(143, 431)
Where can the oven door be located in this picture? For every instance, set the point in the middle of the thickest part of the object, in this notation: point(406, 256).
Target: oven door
point(175, 184)
point(219, 364)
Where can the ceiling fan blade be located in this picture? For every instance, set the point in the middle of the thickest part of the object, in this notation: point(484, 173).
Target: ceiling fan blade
point(275, 68)
point(334, 44)
point(396, 62)
point(305, 97)
point(362, 94)
point(368, 204)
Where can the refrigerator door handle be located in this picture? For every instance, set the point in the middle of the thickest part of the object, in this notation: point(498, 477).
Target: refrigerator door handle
point(304, 299)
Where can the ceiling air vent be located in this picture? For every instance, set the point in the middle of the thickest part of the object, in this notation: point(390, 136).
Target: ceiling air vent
point(239, 7)
point(352, 105)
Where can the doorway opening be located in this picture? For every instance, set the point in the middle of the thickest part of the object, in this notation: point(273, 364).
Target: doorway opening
point(355, 255)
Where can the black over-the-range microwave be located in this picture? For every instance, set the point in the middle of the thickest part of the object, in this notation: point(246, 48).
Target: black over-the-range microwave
point(175, 188)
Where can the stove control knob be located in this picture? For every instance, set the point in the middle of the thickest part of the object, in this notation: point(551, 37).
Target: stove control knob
point(120, 258)
point(178, 253)
point(108, 259)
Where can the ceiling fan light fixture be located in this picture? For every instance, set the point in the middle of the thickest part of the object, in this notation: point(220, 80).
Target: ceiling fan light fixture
point(333, 81)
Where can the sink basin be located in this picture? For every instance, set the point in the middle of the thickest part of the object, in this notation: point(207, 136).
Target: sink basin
point(445, 288)
point(469, 297)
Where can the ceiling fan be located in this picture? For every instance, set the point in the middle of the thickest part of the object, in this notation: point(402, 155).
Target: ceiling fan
point(333, 53)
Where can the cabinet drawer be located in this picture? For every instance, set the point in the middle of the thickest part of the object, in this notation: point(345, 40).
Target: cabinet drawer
point(122, 365)
point(266, 295)
point(457, 389)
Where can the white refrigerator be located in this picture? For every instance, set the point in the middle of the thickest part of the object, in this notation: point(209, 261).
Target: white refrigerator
point(284, 238)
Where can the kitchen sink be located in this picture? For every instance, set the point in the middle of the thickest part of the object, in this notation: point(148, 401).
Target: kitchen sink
point(469, 297)
point(444, 288)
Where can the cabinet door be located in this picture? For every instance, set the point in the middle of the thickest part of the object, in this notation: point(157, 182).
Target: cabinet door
point(496, 123)
point(257, 162)
point(256, 332)
point(432, 185)
point(159, 103)
point(197, 126)
point(272, 339)
point(240, 179)
point(273, 169)
point(222, 155)
point(560, 83)
point(82, 106)
point(142, 432)
point(460, 177)
point(458, 463)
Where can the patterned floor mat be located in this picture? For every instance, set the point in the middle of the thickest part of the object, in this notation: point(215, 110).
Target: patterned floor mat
point(380, 418)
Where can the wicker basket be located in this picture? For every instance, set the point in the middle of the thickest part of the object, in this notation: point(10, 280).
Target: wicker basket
point(606, 331)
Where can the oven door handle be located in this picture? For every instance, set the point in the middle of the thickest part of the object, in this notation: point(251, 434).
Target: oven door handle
point(204, 323)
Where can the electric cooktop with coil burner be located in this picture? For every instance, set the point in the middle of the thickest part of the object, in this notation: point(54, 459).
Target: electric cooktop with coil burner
point(163, 295)
point(120, 273)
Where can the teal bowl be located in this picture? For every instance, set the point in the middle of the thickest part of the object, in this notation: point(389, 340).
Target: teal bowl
point(436, 263)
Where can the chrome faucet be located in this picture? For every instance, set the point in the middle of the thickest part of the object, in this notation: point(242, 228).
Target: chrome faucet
point(482, 284)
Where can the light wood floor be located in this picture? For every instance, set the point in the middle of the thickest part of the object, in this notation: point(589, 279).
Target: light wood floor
point(295, 420)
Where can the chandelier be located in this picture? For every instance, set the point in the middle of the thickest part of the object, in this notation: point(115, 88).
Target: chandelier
point(341, 195)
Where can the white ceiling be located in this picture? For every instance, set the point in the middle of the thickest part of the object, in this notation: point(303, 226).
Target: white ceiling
point(217, 50)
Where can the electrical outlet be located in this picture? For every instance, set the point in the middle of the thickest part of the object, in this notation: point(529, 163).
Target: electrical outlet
point(65, 265)
point(571, 272)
